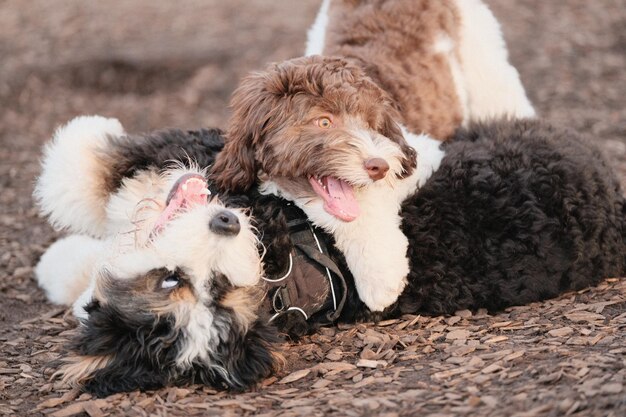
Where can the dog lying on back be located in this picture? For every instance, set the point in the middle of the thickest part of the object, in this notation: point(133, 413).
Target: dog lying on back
point(517, 212)
point(162, 275)
point(334, 132)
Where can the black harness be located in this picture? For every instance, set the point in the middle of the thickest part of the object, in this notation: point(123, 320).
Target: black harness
point(312, 284)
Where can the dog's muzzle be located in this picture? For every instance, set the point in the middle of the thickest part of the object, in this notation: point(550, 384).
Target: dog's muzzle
point(225, 223)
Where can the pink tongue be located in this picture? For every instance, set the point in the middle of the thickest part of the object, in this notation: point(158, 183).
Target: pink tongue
point(342, 203)
point(191, 191)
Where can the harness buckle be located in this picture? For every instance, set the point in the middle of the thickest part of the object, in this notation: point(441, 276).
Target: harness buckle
point(281, 300)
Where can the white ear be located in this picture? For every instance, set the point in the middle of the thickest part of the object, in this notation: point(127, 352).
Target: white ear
point(71, 190)
point(65, 270)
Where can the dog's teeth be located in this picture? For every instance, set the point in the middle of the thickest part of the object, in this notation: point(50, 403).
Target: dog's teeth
point(205, 192)
point(184, 187)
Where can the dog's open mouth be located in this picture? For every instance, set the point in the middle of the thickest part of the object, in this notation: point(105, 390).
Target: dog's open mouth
point(190, 190)
point(338, 196)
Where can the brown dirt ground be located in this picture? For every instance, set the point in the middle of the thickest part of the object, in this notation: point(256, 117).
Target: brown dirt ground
point(156, 64)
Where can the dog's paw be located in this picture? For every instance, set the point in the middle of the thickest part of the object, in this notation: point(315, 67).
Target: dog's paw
point(378, 294)
point(64, 270)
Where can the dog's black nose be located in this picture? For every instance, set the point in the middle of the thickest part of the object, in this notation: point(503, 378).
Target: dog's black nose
point(225, 223)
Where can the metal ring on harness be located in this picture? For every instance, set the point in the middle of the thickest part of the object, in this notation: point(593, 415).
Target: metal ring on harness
point(278, 296)
point(284, 276)
point(298, 309)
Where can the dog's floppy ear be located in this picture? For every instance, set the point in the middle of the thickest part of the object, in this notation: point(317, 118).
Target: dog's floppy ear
point(235, 168)
point(241, 361)
point(112, 355)
point(255, 358)
point(391, 130)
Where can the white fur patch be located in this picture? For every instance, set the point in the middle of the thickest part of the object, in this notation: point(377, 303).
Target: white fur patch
point(70, 189)
point(78, 308)
point(445, 46)
point(205, 252)
point(202, 336)
point(64, 271)
point(316, 36)
point(493, 85)
point(429, 156)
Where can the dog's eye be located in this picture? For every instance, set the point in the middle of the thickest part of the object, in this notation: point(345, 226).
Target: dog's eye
point(170, 281)
point(324, 122)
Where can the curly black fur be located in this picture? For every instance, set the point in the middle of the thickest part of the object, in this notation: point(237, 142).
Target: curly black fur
point(158, 150)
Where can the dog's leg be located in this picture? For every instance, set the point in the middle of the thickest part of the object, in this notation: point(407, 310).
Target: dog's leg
point(493, 86)
point(374, 246)
point(64, 270)
point(375, 249)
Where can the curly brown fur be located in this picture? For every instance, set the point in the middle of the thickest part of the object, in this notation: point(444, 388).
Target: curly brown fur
point(272, 132)
point(393, 41)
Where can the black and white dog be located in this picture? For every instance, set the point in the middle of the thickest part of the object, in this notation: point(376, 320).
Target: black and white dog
point(163, 276)
point(517, 212)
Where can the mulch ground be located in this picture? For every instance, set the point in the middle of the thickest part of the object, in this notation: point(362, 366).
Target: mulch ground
point(154, 65)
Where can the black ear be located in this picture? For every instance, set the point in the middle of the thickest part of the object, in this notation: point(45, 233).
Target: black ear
point(114, 353)
point(125, 376)
point(256, 358)
point(247, 358)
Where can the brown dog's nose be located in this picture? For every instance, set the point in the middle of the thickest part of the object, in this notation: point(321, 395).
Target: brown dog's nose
point(376, 168)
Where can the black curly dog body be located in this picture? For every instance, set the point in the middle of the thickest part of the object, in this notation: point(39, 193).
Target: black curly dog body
point(518, 212)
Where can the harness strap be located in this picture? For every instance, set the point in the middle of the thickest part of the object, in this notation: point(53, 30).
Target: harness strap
point(313, 283)
point(324, 260)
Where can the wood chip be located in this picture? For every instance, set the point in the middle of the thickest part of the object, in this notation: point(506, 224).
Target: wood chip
point(54, 402)
point(460, 334)
point(584, 316)
point(321, 383)
point(489, 401)
point(612, 388)
point(514, 355)
point(367, 363)
point(496, 339)
point(561, 332)
point(334, 366)
point(92, 408)
point(491, 368)
point(500, 324)
point(294, 376)
point(463, 314)
point(80, 407)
